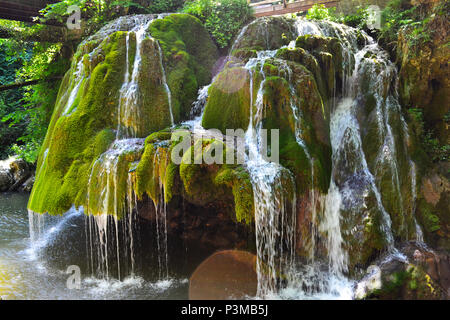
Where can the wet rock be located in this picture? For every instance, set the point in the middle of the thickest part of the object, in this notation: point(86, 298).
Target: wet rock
point(6, 179)
point(28, 185)
point(415, 273)
point(14, 173)
point(435, 263)
point(424, 80)
point(266, 33)
point(229, 274)
point(432, 207)
point(21, 171)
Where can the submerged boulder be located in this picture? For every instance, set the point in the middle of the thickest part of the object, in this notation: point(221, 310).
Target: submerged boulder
point(225, 275)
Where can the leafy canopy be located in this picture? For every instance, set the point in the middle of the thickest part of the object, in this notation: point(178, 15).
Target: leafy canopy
point(222, 18)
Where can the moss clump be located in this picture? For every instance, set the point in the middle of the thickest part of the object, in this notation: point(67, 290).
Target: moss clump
point(408, 282)
point(76, 140)
point(315, 44)
point(428, 217)
point(362, 232)
point(189, 57)
point(228, 105)
point(151, 171)
point(78, 134)
point(199, 183)
point(296, 109)
point(239, 181)
point(153, 98)
point(109, 181)
point(205, 183)
point(266, 33)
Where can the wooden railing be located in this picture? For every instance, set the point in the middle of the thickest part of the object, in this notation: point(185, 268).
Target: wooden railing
point(22, 10)
point(278, 7)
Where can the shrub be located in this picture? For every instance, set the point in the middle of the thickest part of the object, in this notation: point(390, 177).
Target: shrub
point(319, 12)
point(223, 19)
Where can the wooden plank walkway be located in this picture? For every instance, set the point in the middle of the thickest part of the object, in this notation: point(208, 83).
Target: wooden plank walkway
point(22, 10)
point(278, 7)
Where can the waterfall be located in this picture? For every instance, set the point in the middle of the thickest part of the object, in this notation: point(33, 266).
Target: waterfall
point(129, 104)
point(166, 86)
point(112, 209)
point(355, 187)
point(109, 204)
point(161, 224)
point(78, 79)
point(352, 178)
point(274, 223)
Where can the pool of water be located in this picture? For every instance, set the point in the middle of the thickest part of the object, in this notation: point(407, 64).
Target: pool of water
point(40, 272)
point(38, 269)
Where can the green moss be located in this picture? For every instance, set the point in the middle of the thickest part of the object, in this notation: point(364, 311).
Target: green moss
point(239, 181)
point(153, 98)
point(151, 172)
point(189, 57)
point(228, 105)
point(76, 140)
point(203, 183)
point(428, 218)
point(266, 33)
point(310, 121)
point(159, 136)
point(108, 184)
point(63, 174)
point(408, 282)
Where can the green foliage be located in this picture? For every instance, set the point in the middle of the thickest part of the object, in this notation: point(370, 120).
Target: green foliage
point(401, 15)
point(357, 19)
point(319, 12)
point(12, 57)
point(160, 6)
point(32, 110)
point(223, 19)
point(98, 12)
point(428, 141)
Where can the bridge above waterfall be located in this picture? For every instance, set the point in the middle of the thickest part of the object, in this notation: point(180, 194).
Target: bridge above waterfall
point(279, 7)
point(25, 10)
point(22, 10)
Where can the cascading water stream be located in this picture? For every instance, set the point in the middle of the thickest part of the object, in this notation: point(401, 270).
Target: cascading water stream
point(274, 223)
point(107, 226)
point(129, 101)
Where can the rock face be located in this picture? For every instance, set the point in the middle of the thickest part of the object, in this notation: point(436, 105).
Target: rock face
point(424, 68)
point(6, 179)
point(433, 204)
point(229, 274)
point(417, 273)
point(424, 85)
